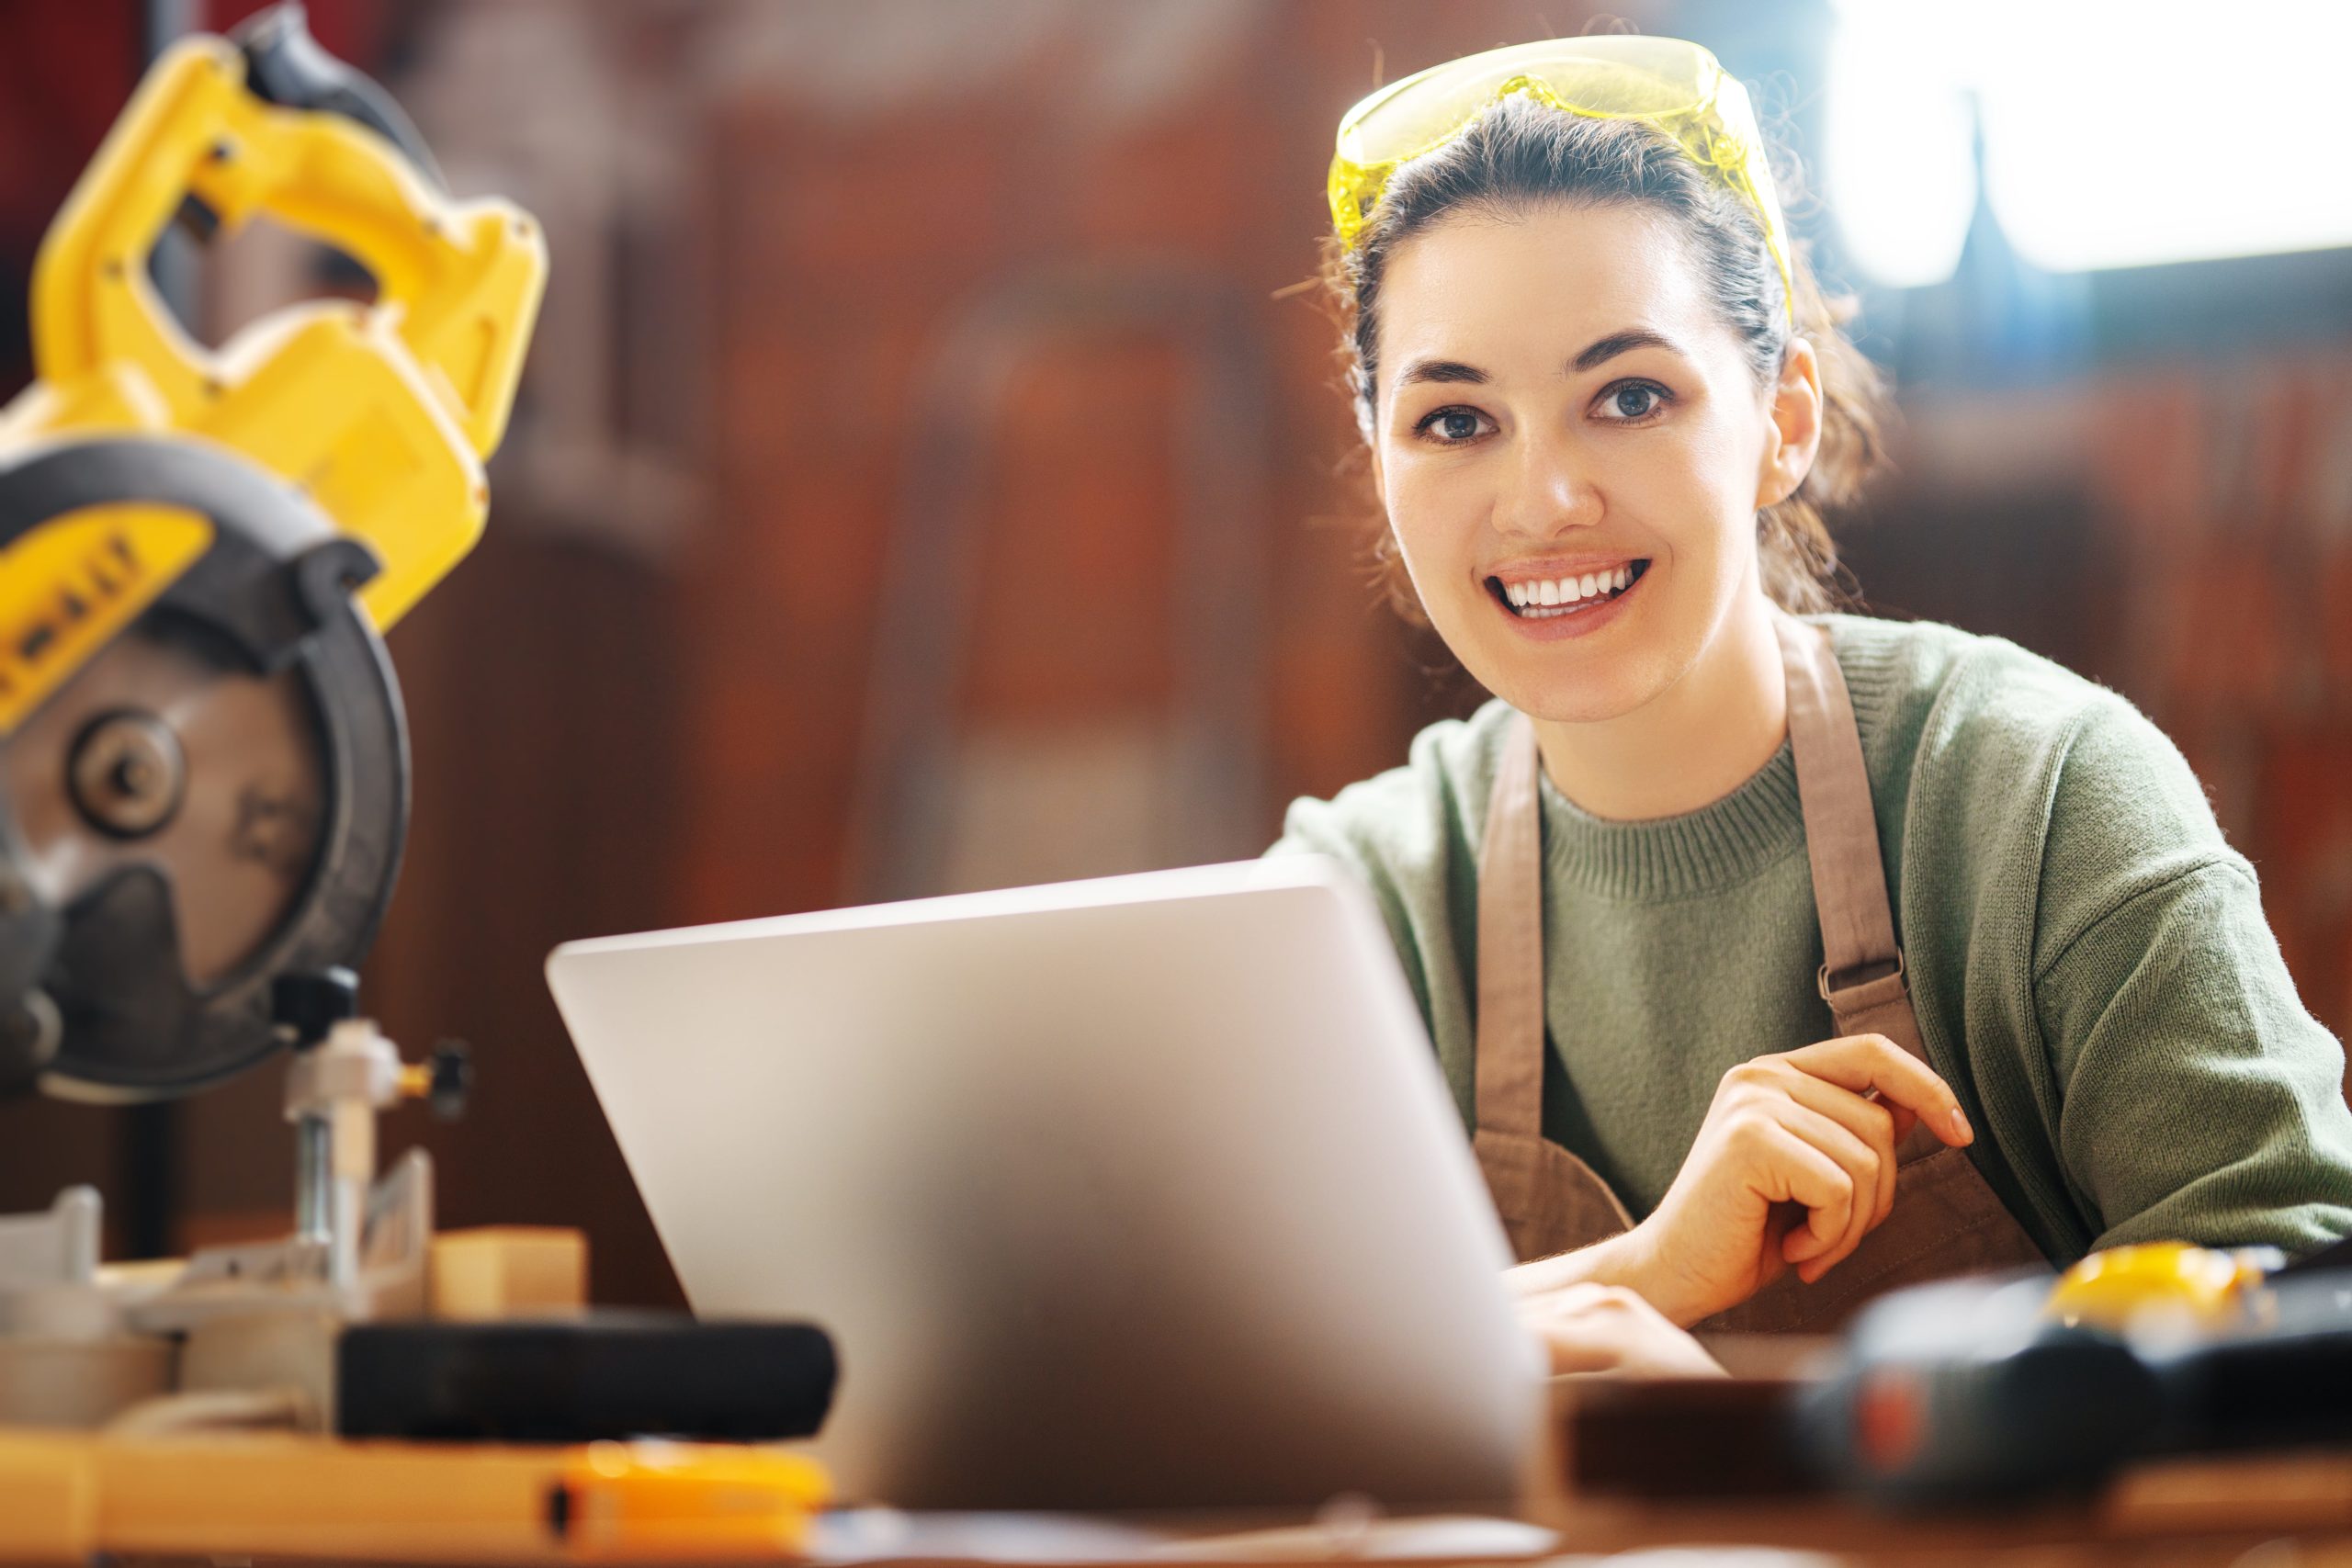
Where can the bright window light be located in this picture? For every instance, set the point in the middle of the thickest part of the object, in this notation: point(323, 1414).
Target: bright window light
point(2117, 132)
point(1902, 201)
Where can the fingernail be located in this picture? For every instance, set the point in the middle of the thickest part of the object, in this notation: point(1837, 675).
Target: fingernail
point(1960, 1130)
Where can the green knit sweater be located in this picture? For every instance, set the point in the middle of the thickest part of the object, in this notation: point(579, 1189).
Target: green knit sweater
point(2089, 959)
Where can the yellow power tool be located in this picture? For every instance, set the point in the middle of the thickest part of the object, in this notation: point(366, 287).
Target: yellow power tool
point(203, 762)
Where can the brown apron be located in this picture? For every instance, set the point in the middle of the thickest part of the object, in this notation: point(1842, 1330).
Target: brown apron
point(1946, 1221)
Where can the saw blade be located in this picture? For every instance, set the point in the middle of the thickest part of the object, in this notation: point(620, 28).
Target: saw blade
point(241, 831)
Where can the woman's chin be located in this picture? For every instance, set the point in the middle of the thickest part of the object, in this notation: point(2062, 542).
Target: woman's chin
point(1563, 683)
point(1555, 701)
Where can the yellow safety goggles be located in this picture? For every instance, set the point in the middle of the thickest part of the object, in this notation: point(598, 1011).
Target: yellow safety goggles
point(1668, 83)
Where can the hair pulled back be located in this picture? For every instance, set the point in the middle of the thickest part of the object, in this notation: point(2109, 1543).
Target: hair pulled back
point(1521, 153)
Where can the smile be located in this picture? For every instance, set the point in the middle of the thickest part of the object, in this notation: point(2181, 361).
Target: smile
point(1551, 598)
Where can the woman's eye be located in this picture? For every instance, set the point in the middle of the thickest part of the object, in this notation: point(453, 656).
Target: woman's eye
point(1631, 401)
point(1452, 427)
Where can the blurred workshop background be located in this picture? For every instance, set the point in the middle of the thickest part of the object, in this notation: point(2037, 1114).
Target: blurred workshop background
point(930, 471)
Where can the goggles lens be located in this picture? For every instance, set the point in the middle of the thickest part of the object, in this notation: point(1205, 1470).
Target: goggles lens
point(1670, 82)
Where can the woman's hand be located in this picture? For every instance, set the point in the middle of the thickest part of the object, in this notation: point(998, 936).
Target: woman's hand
point(1793, 1166)
point(1608, 1328)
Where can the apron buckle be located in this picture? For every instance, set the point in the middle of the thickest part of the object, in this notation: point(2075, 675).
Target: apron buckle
point(1863, 974)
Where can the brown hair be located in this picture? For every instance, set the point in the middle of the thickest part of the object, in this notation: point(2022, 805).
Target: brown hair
point(1522, 152)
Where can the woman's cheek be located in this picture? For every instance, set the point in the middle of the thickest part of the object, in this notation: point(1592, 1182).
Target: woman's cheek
point(1431, 518)
point(1432, 567)
point(1413, 549)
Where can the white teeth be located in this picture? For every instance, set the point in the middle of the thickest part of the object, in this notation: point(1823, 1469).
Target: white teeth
point(1561, 595)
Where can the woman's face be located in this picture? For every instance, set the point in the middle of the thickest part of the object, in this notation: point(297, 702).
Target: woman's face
point(1572, 450)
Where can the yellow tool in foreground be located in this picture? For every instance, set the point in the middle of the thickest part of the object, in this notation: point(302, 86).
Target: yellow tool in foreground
point(2187, 1288)
point(66, 1499)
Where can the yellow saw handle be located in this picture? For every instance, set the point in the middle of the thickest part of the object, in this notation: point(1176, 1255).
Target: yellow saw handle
point(382, 412)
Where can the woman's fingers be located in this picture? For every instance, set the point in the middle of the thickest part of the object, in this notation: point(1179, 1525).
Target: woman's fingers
point(1788, 1168)
point(1814, 1250)
point(1872, 1120)
point(1605, 1329)
point(1816, 1127)
point(1864, 1062)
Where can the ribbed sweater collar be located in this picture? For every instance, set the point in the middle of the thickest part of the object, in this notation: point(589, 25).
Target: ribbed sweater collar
point(1729, 840)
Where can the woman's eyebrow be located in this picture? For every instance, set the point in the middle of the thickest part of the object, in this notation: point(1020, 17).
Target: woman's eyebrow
point(1615, 343)
point(1422, 370)
point(1599, 353)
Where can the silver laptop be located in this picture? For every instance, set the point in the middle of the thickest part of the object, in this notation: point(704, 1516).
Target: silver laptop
point(1141, 1192)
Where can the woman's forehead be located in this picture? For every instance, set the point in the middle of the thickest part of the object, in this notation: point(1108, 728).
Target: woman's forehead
point(1531, 288)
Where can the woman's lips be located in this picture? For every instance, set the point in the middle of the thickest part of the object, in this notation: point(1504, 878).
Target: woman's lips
point(1554, 623)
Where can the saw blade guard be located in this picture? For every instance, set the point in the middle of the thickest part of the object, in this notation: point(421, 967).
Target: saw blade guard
point(215, 797)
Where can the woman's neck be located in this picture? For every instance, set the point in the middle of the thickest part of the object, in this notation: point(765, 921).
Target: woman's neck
point(1694, 743)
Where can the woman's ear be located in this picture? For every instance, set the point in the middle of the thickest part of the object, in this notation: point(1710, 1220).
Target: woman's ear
point(1794, 432)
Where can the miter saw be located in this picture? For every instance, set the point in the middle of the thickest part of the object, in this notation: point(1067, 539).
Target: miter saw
point(203, 765)
point(204, 785)
point(203, 772)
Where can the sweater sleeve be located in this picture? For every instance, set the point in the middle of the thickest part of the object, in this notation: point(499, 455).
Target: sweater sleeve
point(1321, 827)
point(2199, 1101)
point(1409, 835)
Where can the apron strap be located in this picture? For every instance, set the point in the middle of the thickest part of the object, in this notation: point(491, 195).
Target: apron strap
point(1511, 944)
point(1861, 975)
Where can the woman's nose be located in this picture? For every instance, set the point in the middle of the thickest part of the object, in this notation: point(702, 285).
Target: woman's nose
point(1550, 491)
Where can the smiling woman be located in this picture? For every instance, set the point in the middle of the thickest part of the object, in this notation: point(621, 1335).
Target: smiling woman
point(1733, 918)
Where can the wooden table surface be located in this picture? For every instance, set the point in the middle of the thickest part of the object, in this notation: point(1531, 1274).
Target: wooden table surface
point(2257, 1511)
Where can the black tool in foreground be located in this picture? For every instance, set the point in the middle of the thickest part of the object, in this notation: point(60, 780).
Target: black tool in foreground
point(1973, 1392)
point(607, 1375)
